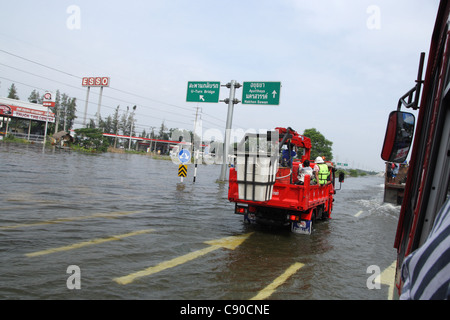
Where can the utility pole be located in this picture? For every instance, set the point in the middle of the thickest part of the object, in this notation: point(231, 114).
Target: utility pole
point(195, 149)
point(86, 106)
point(98, 107)
point(45, 130)
point(131, 129)
point(233, 85)
point(117, 125)
point(151, 137)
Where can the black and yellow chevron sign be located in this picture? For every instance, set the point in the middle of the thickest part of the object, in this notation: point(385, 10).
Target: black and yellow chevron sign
point(182, 170)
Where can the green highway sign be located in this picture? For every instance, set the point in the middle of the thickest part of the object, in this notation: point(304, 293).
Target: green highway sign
point(255, 92)
point(203, 91)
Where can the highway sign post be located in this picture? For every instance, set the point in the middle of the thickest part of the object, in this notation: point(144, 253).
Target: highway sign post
point(203, 91)
point(258, 92)
point(254, 92)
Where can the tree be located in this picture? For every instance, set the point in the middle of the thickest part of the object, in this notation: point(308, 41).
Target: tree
point(35, 97)
point(319, 145)
point(115, 124)
point(70, 109)
point(12, 93)
point(115, 121)
point(91, 139)
point(163, 133)
point(124, 126)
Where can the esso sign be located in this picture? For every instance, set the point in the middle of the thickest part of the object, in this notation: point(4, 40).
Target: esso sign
point(95, 82)
point(49, 99)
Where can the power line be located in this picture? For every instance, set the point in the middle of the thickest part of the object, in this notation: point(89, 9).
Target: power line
point(107, 106)
point(43, 65)
point(78, 77)
point(214, 125)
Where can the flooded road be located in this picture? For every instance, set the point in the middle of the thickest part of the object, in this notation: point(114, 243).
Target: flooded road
point(122, 226)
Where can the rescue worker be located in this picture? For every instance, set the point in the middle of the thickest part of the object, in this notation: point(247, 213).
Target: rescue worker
point(323, 173)
point(288, 155)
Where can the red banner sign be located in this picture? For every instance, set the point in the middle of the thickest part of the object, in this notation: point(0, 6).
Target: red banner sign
point(26, 113)
point(95, 82)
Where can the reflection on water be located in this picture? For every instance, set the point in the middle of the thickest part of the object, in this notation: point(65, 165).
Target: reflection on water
point(56, 199)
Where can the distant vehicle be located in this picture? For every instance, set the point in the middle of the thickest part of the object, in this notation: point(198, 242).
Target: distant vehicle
point(428, 179)
point(265, 187)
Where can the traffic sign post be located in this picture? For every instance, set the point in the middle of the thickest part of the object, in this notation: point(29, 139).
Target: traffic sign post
point(182, 171)
point(257, 92)
point(203, 91)
point(184, 155)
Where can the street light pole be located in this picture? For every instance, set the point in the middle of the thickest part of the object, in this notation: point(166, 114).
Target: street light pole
point(231, 102)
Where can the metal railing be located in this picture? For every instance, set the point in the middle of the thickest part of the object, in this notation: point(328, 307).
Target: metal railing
point(30, 137)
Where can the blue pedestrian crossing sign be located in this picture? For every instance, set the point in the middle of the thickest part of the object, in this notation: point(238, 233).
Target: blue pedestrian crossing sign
point(184, 155)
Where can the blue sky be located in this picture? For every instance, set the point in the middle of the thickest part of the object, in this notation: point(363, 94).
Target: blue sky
point(343, 65)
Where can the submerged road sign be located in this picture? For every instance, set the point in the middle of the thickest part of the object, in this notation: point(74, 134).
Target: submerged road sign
point(255, 92)
point(203, 91)
point(182, 170)
point(184, 155)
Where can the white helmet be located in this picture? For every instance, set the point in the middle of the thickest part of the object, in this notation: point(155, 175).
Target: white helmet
point(319, 160)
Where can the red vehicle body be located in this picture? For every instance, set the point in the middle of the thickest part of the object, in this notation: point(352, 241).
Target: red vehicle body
point(428, 180)
point(290, 203)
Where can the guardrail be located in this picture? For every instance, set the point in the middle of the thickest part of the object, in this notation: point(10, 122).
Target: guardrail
point(29, 137)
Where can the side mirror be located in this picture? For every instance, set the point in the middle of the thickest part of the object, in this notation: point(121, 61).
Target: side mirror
point(398, 138)
point(341, 177)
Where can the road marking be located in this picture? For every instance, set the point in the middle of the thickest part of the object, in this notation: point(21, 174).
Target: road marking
point(387, 277)
point(87, 243)
point(61, 220)
point(270, 289)
point(228, 243)
point(359, 213)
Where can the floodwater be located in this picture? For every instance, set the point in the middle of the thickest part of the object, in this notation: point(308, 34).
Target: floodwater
point(82, 226)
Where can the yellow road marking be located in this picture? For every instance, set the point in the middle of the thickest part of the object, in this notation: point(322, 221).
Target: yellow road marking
point(60, 220)
point(165, 265)
point(387, 277)
point(228, 242)
point(270, 289)
point(359, 213)
point(87, 243)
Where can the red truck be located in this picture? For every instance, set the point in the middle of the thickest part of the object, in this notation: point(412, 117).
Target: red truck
point(265, 188)
point(428, 141)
